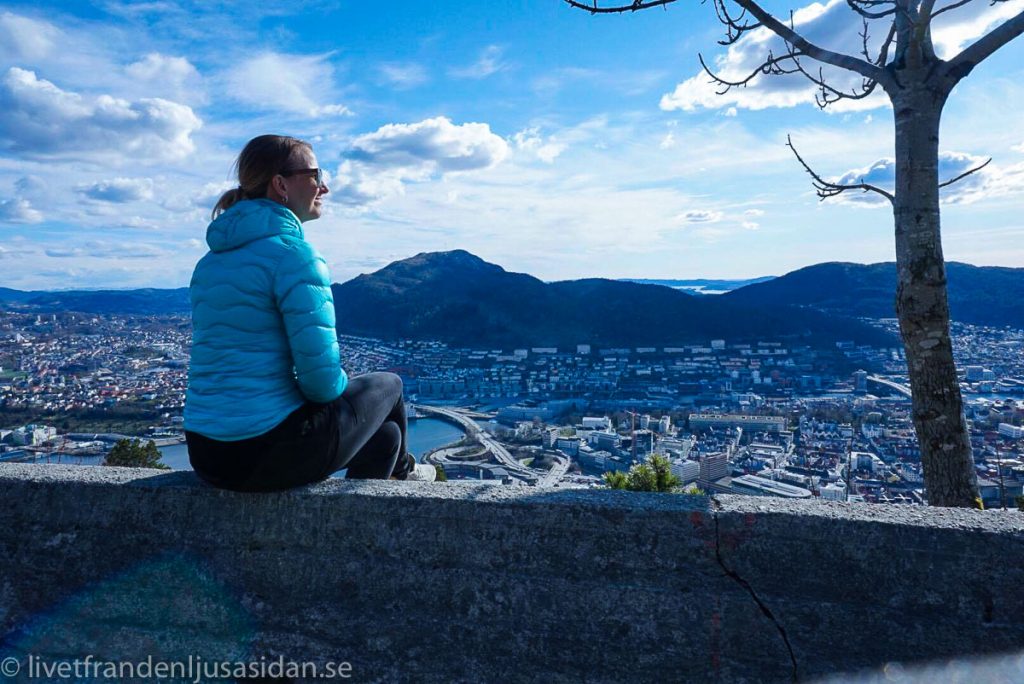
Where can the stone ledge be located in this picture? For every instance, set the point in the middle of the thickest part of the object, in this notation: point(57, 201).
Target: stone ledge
point(474, 582)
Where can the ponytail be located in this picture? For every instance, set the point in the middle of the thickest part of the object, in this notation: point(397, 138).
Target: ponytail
point(226, 201)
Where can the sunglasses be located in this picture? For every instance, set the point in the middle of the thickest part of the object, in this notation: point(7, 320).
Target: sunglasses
point(318, 172)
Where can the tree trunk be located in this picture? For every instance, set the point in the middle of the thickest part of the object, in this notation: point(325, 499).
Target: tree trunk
point(922, 304)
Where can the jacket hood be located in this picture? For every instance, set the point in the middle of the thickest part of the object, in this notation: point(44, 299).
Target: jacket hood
point(250, 220)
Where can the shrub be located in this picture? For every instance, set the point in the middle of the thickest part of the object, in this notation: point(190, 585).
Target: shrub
point(653, 476)
point(132, 453)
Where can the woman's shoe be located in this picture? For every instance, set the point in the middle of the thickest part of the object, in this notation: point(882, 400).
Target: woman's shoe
point(422, 472)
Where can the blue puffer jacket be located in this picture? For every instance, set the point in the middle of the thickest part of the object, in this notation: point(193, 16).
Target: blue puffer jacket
point(263, 335)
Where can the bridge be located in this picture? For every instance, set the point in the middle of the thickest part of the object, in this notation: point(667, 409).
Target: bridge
point(902, 389)
point(556, 473)
point(499, 451)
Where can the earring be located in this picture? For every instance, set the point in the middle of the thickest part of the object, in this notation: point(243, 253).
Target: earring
point(284, 199)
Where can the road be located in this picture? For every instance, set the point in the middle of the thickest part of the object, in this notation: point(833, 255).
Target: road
point(902, 389)
point(544, 478)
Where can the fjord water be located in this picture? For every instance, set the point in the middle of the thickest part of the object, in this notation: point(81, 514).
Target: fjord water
point(424, 434)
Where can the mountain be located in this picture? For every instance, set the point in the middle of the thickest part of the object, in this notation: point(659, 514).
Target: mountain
point(148, 301)
point(700, 285)
point(461, 299)
point(979, 295)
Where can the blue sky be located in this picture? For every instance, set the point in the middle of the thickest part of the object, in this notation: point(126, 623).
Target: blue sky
point(537, 137)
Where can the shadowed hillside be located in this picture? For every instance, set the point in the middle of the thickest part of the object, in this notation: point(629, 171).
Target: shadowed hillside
point(461, 299)
point(986, 295)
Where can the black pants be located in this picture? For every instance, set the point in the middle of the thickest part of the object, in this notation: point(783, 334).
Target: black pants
point(363, 430)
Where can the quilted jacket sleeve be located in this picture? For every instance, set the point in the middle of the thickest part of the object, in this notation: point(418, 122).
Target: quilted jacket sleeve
point(302, 289)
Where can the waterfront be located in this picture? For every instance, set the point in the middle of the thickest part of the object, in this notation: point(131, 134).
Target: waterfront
point(424, 434)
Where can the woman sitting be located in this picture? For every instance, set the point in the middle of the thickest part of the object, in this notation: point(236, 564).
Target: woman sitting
point(268, 405)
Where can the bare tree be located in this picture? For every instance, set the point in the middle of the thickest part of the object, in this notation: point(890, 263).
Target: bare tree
point(917, 83)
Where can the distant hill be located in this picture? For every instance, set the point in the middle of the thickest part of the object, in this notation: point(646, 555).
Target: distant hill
point(461, 299)
point(147, 301)
point(981, 295)
point(700, 285)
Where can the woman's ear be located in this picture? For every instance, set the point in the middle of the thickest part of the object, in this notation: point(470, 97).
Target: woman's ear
point(278, 187)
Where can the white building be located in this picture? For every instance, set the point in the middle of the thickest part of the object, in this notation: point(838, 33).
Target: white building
point(568, 445)
point(834, 492)
point(863, 460)
point(686, 471)
point(760, 486)
point(714, 467)
point(1011, 431)
point(664, 425)
point(593, 423)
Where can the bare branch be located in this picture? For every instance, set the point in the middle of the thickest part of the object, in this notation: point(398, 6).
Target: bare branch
point(735, 27)
point(826, 189)
point(770, 66)
point(883, 52)
point(864, 35)
point(860, 7)
point(827, 94)
point(631, 7)
point(961, 65)
point(790, 35)
point(967, 173)
point(766, 19)
point(961, 3)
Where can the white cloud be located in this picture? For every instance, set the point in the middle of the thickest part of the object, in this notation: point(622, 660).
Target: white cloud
point(281, 82)
point(833, 26)
point(210, 194)
point(1018, 148)
point(379, 163)
point(18, 210)
point(530, 141)
point(120, 190)
point(751, 225)
point(403, 75)
point(701, 216)
point(992, 181)
point(38, 119)
point(754, 212)
point(30, 186)
point(489, 63)
point(668, 142)
point(168, 76)
point(99, 249)
point(25, 39)
point(17, 251)
point(164, 68)
point(953, 31)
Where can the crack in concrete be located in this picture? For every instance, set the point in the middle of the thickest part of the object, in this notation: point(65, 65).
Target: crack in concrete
point(732, 574)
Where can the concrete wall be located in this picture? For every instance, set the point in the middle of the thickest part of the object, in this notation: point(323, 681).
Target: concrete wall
point(475, 582)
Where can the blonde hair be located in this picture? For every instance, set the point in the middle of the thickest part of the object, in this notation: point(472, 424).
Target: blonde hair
point(261, 159)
